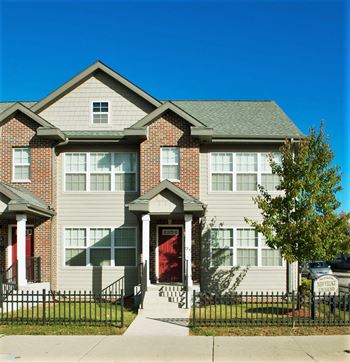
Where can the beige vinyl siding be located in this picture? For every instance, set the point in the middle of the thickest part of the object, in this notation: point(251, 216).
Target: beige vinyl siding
point(93, 209)
point(228, 209)
point(73, 110)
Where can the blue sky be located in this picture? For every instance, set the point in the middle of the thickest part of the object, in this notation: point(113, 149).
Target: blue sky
point(290, 51)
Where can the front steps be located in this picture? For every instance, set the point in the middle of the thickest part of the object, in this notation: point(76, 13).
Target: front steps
point(164, 312)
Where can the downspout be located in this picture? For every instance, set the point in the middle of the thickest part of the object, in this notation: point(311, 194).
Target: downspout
point(52, 246)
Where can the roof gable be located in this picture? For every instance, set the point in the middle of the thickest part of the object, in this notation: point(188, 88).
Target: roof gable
point(19, 107)
point(158, 112)
point(22, 200)
point(190, 203)
point(85, 74)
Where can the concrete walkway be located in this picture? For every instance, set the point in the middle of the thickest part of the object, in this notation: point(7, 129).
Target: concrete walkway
point(159, 318)
point(170, 349)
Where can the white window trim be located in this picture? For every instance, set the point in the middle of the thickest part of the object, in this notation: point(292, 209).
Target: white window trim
point(110, 172)
point(169, 164)
point(122, 173)
point(257, 248)
point(20, 164)
point(223, 173)
point(88, 247)
point(261, 247)
point(235, 173)
point(92, 113)
point(224, 248)
point(88, 173)
point(236, 247)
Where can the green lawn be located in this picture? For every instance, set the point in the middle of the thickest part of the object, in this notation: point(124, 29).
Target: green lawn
point(67, 318)
point(268, 312)
point(270, 331)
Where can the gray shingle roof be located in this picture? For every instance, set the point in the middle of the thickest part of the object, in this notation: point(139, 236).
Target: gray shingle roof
point(241, 118)
point(227, 118)
point(24, 196)
point(5, 105)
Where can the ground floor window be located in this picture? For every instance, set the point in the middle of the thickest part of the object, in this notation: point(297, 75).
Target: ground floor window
point(241, 247)
point(100, 246)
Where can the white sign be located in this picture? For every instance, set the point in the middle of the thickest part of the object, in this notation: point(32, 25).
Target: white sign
point(326, 284)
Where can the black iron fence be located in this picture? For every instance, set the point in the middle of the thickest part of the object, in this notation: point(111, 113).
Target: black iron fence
point(8, 281)
point(269, 309)
point(49, 307)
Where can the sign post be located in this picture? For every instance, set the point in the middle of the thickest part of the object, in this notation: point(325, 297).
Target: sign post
point(323, 285)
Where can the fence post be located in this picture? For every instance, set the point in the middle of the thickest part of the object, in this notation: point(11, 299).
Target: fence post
point(313, 301)
point(1, 289)
point(293, 309)
point(122, 308)
point(44, 305)
point(194, 308)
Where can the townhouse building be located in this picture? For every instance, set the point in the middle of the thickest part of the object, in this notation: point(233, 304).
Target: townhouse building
point(100, 179)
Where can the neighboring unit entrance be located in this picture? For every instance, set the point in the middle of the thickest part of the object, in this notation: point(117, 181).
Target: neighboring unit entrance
point(29, 247)
point(170, 254)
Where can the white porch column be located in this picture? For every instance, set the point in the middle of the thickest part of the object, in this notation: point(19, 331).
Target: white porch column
point(188, 246)
point(21, 249)
point(145, 243)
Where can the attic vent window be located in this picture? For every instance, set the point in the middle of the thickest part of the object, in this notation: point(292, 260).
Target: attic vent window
point(100, 112)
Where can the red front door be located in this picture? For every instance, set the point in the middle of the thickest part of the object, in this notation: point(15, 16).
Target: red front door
point(170, 254)
point(29, 243)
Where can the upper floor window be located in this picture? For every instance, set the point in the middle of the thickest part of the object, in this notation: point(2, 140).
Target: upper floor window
point(100, 112)
point(101, 171)
point(170, 163)
point(21, 164)
point(242, 171)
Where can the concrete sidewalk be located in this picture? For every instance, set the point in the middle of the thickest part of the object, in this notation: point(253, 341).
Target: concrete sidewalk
point(169, 349)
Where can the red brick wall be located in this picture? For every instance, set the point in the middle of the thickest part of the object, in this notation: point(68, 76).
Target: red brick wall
point(20, 131)
point(170, 130)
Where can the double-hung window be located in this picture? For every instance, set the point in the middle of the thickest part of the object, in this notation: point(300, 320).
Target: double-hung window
point(270, 257)
point(125, 171)
point(247, 171)
point(170, 163)
point(100, 171)
point(100, 246)
point(269, 180)
point(231, 247)
point(242, 171)
point(125, 246)
point(221, 247)
point(75, 247)
point(247, 247)
point(100, 112)
point(222, 171)
point(21, 164)
point(76, 172)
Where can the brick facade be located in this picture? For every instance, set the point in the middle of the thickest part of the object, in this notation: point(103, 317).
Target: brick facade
point(20, 131)
point(171, 130)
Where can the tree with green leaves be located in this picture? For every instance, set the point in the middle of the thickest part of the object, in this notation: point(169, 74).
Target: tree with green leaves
point(302, 220)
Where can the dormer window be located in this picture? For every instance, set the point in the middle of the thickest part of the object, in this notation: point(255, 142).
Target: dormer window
point(100, 112)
